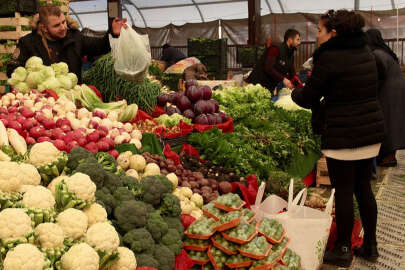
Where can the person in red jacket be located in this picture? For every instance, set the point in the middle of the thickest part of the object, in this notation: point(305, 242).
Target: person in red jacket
point(277, 63)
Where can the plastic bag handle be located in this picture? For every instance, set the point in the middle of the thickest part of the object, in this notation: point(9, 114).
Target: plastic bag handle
point(259, 196)
point(329, 204)
point(292, 202)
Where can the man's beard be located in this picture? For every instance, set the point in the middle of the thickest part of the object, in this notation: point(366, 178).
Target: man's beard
point(55, 37)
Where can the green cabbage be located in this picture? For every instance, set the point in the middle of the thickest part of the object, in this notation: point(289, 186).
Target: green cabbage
point(65, 82)
point(34, 63)
point(19, 74)
point(60, 68)
point(128, 113)
point(12, 81)
point(22, 87)
point(34, 78)
point(47, 72)
point(50, 83)
point(73, 78)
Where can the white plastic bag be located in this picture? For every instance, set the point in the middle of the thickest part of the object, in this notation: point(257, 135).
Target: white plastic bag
point(131, 54)
point(270, 207)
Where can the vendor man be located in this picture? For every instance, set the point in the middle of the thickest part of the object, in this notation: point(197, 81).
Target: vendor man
point(171, 55)
point(277, 63)
point(56, 38)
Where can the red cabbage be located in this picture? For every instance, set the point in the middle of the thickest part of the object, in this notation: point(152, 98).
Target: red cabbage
point(201, 119)
point(194, 93)
point(189, 114)
point(206, 91)
point(218, 118)
point(190, 83)
point(212, 120)
point(200, 107)
point(163, 99)
point(172, 109)
point(210, 107)
point(223, 116)
point(183, 103)
point(216, 105)
point(172, 98)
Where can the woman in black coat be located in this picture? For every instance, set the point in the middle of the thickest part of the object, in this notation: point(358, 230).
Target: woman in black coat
point(391, 95)
point(342, 94)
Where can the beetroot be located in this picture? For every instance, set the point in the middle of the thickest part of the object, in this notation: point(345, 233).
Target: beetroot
point(201, 119)
point(163, 99)
point(194, 93)
point(206, 92)
point(190, 83)
point(183, 103)
point(189, 114)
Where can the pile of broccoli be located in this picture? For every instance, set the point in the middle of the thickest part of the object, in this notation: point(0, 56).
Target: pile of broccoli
point(145, 213)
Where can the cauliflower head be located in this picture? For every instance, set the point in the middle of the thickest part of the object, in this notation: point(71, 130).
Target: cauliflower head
point(81, 185)
point(127, 260)
point(14, 224)
point(95, 213)
point(50, 235)
point(10, 176)
point(80, 256)
point(24, 256)
point(73, 222)
point(29, 174)
point(43, 153)
point(38, 197)
point(52, 185)
point(25, 188)
point(103, 236)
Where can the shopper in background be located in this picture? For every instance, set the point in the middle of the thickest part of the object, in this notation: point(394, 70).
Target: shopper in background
point(350, 122)
point(391, 95)
point(171, 55)
point(56, 38)
point(277, 63)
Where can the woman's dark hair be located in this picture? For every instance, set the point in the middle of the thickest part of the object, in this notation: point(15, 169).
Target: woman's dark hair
point(375, 41)
point(343, 21)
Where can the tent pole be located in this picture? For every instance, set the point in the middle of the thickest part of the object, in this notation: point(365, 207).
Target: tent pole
point(397, 30)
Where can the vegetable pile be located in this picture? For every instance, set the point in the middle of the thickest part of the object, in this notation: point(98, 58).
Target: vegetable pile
point(195, 103)
point(241, 244)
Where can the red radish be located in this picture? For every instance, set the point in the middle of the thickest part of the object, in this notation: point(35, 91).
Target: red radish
point(30, 140)
point(62, 122)
point(77, 134)
point(5, 122)
point(102, 133)
point(37, 99)
point(71, 145)
point(44, 139)
point(114, 153)
point(99, 113)
point(36, 132)
point(3, 116)
point(59, 122)
point(69, 137)
point(59, 144)
point(82, 130)
point(66, 128)
point(21, 119)
point(82, 141)
point(122, 130)
point(46, 107)
point(93, 137)
point(3, 110)
point(29, 123)
point(103, 128)
point(27, 112)
point(15, 125)
point(40, 117)
point(60, 136)
point(12, 109)
point(92, 147)
point(47, 133)
point(93, 124)
point(55, 133)
point(110, 142)
point(48, 123)
point(103, 146)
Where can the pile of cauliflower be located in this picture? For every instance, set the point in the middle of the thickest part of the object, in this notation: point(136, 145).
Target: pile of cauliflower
point(35, 234)
point(191, 203)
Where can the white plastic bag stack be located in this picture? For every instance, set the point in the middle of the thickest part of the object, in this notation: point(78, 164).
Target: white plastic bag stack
point(131, 54)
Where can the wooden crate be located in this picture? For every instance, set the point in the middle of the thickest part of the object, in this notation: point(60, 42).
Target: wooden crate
point(3, 77)
point(322, 175)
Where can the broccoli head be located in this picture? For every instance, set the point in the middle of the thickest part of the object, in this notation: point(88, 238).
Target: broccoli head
point(170, 206)
point(173, 241)
point(107, 161)
point(75, 156)
point(146, 260)
point(131, 214)
point(92, 168)
point(154, 187)
point(175, 223)
point(165, 257)
point(106, 199)
point(123, 194)
point(129, 181)
point(156, 225)
point(139, 241)
point(112, 181)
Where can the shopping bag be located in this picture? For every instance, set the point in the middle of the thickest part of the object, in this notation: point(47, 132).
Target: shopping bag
point(131, 54)
point(307, 228)
point(270, 207)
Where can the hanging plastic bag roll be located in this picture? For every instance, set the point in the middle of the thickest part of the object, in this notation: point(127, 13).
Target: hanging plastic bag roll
point(131, 54)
